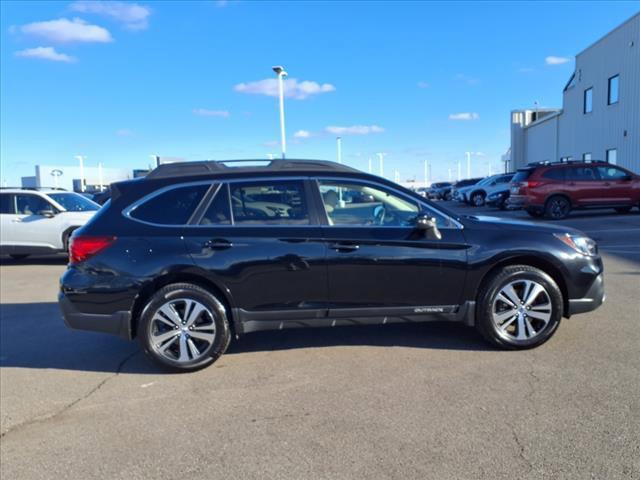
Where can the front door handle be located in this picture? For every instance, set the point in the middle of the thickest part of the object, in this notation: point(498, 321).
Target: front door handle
point(344, 247)
point(218, 244)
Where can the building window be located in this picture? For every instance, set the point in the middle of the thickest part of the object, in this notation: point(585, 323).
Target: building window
point(614, 84)
point(566, 159)
point(588, 100)
point(612, 156)
point(586, 157)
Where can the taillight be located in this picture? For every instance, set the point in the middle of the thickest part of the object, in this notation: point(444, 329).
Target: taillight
point(531, 184)
point(84, 247)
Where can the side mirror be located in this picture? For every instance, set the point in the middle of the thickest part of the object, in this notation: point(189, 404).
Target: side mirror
point(47, 213)
point(428, 225)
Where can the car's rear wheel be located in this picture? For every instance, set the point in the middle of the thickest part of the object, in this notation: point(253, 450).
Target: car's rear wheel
point(519, 307)
point(557, 207)
point(623, 209)
point(477, 199)
point(184, 328)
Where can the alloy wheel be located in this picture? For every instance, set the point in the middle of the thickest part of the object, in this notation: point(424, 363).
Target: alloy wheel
point(521, 310)
point(559, 208)
point(182, 330)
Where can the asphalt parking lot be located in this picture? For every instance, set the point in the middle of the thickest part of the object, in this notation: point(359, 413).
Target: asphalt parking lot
point(399, 401)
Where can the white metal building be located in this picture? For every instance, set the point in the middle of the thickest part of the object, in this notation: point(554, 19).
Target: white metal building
point(68, 177)
point(600, 114)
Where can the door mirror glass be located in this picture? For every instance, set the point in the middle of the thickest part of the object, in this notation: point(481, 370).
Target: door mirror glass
point(429, 225)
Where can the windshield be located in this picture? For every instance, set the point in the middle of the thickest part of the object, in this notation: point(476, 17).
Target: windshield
point(72, 202)
point(521, 175)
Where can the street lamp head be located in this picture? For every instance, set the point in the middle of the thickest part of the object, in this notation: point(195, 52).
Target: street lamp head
point(280, 71)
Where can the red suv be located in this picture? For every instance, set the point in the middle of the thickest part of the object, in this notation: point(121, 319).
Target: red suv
point(552, 190)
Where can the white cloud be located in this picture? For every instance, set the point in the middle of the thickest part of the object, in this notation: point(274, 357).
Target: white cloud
point(64, 30)
point(303, 134)
point(354, 130)
point(132, 15)
point(292, 88)
point(467, 79)
point(464, 116)
point(423, 84)
point(46, 53)
point(204, 112)
point(124, 132)
point(553, 60)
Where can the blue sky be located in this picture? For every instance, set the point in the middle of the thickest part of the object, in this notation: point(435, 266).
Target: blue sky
point(118, 82)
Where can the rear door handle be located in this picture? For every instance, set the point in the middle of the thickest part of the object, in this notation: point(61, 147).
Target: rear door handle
point(344, 247)
point(218, 244)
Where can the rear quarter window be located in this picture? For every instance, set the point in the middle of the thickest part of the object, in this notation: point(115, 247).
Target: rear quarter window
point(554, 174)
point(172, 207)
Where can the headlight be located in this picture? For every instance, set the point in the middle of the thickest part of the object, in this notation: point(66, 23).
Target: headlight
point(579, 243)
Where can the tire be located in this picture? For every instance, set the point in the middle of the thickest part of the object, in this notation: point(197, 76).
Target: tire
point(493, 319)
point(477, 199)
point(176, 352)
point(623, 209)
point(557, 207)
point(534, 213)
point(65, 239)
point(19, 256)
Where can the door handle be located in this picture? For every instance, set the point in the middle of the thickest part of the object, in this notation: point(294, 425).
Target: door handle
point(344, 247)
point(218, 244)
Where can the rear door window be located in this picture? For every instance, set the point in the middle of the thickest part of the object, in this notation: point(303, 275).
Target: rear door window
point(269, 202)
point(581, 174)
point(218, 212)
point(172, 207)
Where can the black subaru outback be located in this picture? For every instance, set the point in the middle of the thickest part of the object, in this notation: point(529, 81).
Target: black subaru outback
point(198, 252)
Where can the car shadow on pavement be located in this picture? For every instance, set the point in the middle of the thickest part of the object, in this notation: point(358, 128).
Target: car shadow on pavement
point(59, 259)
point(34, 336)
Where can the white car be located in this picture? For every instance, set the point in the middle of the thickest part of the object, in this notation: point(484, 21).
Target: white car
point(40, 221)
point(476, 194)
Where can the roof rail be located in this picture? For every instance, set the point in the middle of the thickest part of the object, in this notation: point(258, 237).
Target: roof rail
point(564, 162)
point(208, 167)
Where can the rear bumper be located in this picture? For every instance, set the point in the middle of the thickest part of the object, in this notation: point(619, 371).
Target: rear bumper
point(594, 297)
point(117, 323)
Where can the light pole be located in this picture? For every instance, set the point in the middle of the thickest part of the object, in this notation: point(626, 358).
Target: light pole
point(280, 71)
point(339, 148)
point(381, 158)
point(100, 176)
point(80, 159)
point(459, 170)
point(468, 154)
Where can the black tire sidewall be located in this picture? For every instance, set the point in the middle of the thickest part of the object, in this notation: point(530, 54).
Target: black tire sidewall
point(493, 286)
point(547, 208)
point(193, 292)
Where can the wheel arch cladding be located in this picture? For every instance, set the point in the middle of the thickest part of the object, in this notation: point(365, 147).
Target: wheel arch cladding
point(178, 277)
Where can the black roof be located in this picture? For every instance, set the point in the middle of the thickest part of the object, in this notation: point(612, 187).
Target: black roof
point(564, 162)
point(213, 167)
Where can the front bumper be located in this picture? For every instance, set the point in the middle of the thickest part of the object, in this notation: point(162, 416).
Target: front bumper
point(594, 297)
point(117, 323)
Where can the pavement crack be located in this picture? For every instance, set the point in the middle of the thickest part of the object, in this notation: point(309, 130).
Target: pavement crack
point(521, 447)
point(67, 407)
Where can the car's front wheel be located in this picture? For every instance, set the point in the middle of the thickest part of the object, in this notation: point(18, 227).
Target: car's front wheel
point(184, 328)
point(519, 307)
point(477, 199)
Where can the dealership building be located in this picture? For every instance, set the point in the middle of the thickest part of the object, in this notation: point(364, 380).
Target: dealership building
point(600, 114)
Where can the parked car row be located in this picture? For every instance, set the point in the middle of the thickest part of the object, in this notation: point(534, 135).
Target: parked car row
point(553, 190)
point(40, 220)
